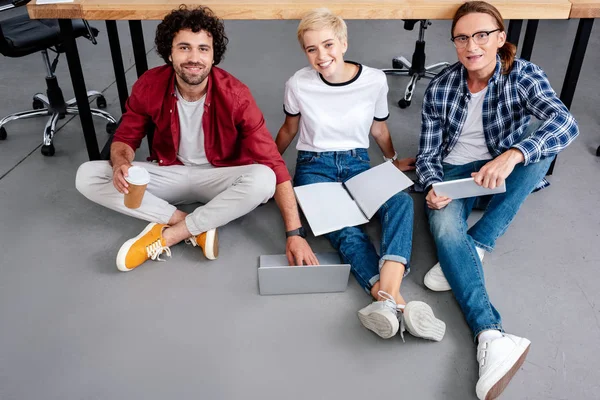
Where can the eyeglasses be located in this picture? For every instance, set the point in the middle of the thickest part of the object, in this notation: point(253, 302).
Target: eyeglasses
point(480, 38)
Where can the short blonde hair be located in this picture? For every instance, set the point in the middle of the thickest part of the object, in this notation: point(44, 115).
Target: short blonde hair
point(322, 18)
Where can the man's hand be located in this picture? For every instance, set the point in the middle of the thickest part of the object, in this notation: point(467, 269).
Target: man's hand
point(493, 174)
point(298, 252)
point(405, 164)
point(119, 174)
point(436, 202)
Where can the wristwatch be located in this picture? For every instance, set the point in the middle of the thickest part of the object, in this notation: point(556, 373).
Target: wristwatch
point(296, 232)
point(394, 157)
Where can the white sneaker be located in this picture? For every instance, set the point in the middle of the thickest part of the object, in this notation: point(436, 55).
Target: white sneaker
point(435, 279)
point(381, 316)
point(420, 321)
point(499, 360)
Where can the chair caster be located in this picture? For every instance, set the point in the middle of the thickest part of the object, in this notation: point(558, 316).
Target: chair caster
point(37, 104)
point(48, 150)
point(101, 102)
point(3, 134)
point(111, 128)
point(403, 103)
point(597, 151)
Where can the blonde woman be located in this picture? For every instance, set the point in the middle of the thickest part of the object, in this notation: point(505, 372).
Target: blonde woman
point(334, 105)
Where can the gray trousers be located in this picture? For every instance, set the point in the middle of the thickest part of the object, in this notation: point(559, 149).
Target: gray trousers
point(227, 192)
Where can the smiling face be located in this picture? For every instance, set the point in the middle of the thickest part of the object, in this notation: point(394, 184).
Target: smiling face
point(192, 56)
point(479, 60)
point(325, 53)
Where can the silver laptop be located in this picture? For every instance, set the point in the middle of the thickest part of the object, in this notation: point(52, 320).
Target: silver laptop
point(275, 276)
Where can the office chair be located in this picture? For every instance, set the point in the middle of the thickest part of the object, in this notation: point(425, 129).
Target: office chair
point(415, 69)
point(21, 36)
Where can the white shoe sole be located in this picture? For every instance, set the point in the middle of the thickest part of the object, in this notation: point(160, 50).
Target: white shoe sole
point(122, 254)
point(421, 322)
point(500, 377)
point(435, 280)
point(379, 323)
point(211, 246)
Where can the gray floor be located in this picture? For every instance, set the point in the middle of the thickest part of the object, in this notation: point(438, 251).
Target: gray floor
point(73, 327)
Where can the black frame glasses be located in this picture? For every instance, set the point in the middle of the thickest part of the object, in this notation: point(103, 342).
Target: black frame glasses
point(482, 39)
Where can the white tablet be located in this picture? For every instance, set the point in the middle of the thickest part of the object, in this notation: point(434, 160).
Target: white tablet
point(462, 188)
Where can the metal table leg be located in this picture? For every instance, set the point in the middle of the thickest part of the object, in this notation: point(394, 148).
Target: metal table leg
point(85, 115)
point(514, 31)
point(117, 58)
point(139, 49)
point(530, 32)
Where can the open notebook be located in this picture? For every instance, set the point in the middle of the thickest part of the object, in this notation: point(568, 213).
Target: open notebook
point(333, 205)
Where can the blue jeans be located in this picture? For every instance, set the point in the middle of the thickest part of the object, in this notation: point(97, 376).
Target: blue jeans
point(456, 244)
point(353, 243)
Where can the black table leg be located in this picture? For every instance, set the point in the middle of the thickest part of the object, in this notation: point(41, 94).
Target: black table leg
point(530, 32)
point(139, 49)
point(514, 31)
point(582, 37)
point(141, 62)
point(85, 115)
point(117, 58)
point(576, 61)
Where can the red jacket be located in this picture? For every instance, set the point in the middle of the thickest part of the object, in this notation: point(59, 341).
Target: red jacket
point(235, 132)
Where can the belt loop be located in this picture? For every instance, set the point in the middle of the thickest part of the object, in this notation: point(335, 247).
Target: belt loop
point(353, 152)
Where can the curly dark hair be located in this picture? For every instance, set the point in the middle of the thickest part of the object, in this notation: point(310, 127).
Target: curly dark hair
point(197, 19)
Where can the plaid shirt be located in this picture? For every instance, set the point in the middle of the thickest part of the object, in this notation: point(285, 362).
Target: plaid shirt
point(508, 104)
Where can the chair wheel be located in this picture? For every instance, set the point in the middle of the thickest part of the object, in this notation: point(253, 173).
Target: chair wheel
point(37, 104)
point(111, 128)
point(101, 102)
point(3, 134)
point(597, 151)
point(48, 150)
point(403, 103)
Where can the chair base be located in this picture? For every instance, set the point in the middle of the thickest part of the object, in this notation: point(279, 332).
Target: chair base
point(43, 107)
point(403, 67)
point(415, 69)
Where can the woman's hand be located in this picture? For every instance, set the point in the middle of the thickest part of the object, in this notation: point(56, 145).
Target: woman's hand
point(405, 164)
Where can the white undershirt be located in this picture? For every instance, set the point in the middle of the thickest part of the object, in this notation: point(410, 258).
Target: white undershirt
point(191, 140)
point(471, 145)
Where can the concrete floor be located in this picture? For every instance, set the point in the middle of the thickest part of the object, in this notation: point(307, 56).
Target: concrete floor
point(73, 327)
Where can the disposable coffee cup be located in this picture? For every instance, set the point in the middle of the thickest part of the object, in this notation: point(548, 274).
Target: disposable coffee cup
point(138, 179)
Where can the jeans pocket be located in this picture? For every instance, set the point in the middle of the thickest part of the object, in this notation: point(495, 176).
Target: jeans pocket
point(363, 158)
point(305, 159)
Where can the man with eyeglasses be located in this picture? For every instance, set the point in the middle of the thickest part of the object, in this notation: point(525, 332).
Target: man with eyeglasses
point(476, 122)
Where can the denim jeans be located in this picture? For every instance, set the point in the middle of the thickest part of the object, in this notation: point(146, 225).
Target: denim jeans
point(456, 244)
point(353, 243)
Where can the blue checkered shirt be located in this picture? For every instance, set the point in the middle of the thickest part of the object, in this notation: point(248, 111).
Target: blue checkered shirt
point(509, 102)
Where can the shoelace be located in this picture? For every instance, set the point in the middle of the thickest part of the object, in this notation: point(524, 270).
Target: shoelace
point(192, 241)
point(396, 308)
point(155, 249)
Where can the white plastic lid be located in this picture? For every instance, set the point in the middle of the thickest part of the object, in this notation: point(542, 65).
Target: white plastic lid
point(137, 176)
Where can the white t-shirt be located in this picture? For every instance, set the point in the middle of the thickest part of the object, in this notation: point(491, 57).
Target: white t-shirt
point(471, 145)
point(191, 141)
point(336, 116)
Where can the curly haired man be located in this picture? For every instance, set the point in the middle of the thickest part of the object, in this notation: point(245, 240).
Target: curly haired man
point(210, 145)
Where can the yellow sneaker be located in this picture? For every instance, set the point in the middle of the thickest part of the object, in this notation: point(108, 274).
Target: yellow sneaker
point(208, 241)
point(148, 245)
